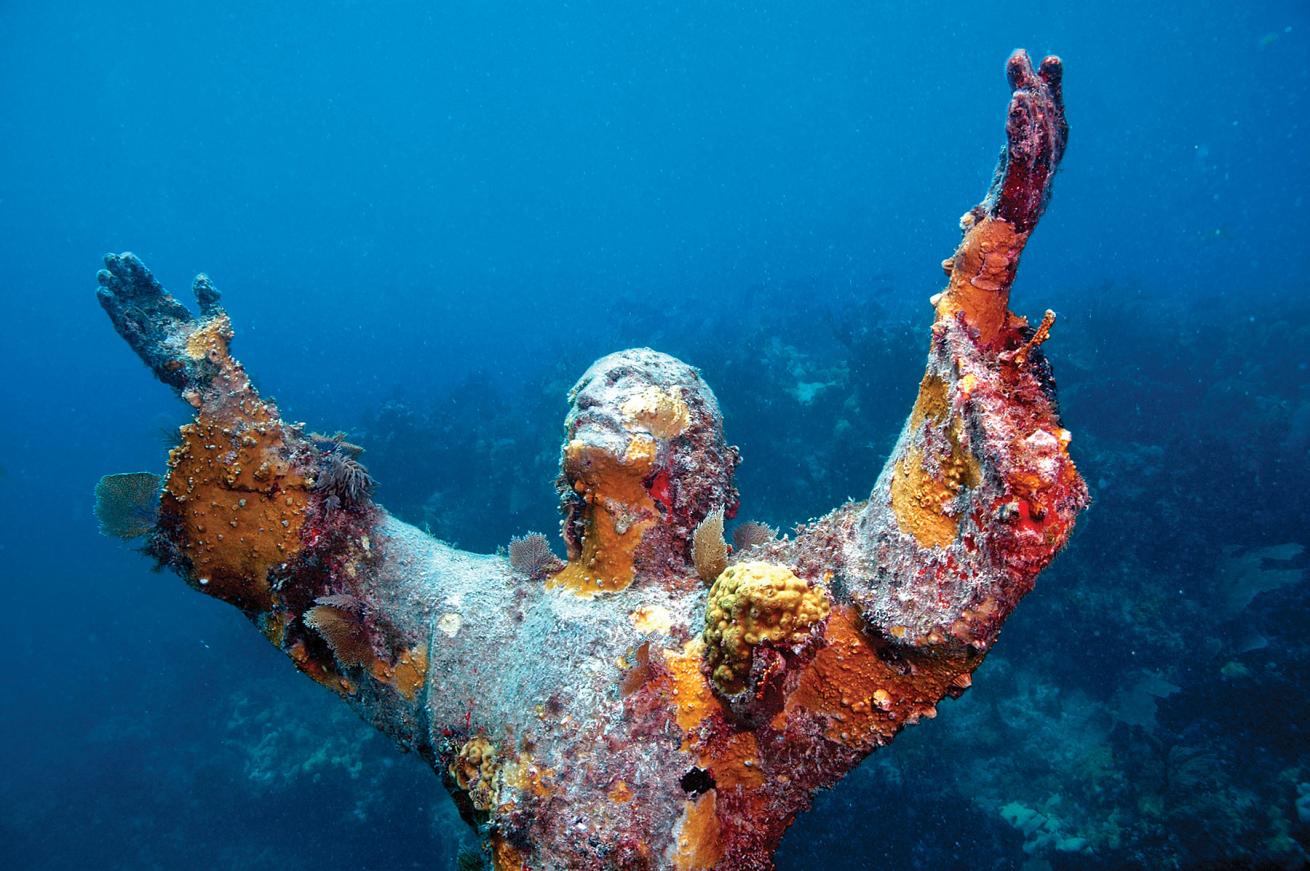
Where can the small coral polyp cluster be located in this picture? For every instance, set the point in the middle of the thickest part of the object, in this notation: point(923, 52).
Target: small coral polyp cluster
point(613, 712)
point(474, 772)
point(753, 603)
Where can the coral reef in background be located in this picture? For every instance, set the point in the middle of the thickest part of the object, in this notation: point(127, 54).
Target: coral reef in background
point(618, 714)
point(265, 754)
point(1175, 736)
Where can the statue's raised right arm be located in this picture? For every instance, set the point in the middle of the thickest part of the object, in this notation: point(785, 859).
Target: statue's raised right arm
point(979, 493)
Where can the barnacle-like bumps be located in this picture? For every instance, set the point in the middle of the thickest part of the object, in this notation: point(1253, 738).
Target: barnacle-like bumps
point(545, 693)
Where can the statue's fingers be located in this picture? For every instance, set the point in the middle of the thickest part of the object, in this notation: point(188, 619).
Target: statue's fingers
point(126, 283)
point(1020, 129)
point(1052, 72)
point(1019, 70)
point(148, 318)
point(207, 295)
point(1036, 127)
point(125, 275)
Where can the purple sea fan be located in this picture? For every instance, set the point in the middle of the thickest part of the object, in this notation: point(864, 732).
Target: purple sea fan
point(531, 555)
point(751, 534)
point(343, 476)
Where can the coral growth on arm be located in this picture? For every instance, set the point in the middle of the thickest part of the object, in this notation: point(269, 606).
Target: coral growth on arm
point(258, 513)
point(612, 710)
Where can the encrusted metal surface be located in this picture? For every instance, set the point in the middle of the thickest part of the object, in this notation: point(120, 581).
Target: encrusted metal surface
point(576, 718)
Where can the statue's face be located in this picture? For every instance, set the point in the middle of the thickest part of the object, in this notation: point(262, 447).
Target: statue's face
point(644, 448)
point(627, 409)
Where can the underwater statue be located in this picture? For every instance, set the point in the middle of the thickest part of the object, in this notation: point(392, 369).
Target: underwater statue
point(658, 700)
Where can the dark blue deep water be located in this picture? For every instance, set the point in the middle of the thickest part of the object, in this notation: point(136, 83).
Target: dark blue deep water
point(428, 218)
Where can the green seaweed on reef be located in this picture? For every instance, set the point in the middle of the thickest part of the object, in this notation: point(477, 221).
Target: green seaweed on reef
point(127, 504)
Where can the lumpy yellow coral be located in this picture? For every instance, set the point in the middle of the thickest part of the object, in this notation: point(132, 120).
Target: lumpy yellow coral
point(750, 603)
point(474, 770)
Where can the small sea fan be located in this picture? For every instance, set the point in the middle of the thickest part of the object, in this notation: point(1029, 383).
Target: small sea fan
point(127, 505)
point(708, 549)
point(343, 601)
point(337, 620)
point(752, 534)
point(336, 442)
point(470, 860)
point(531, 555)
point(343, 476)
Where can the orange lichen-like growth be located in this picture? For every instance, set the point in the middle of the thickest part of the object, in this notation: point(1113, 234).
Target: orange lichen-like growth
point(920, 500)
point(981, 272)
point(405, 675)
point(620, 792)
point(687, 689)
point(730, 758)
point(504, 855)
point(934, 469)
point(866, 698)
point(321, 673)
point(409, 672)
point(234, 492)
point(933, 401)
point(698, 843)
point(618, 510)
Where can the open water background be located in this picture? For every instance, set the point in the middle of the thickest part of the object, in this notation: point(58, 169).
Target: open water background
point(428, 218)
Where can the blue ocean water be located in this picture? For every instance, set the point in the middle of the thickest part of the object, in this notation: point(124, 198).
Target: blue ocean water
point(428, 218)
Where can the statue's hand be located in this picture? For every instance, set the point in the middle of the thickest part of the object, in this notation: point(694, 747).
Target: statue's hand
point(1036, 131)
point(149, 319)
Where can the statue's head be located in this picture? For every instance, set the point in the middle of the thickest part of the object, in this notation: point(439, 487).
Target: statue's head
point(644, 461)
